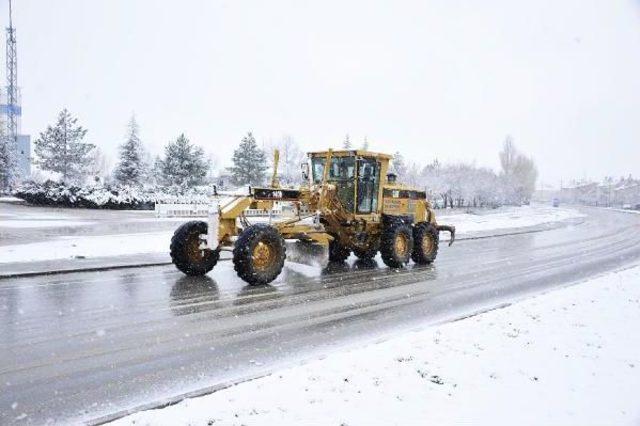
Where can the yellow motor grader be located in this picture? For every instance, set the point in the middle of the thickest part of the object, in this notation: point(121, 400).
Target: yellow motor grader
point(350, 203)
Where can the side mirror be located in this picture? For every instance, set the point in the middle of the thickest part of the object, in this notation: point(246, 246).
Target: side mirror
point(305, 171)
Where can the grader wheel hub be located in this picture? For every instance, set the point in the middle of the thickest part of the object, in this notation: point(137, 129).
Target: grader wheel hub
point(194, 252)
point(263, 256)
point(402, 244)
point(427, 244)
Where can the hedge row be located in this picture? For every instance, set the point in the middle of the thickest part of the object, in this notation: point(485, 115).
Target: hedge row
point(52, 193)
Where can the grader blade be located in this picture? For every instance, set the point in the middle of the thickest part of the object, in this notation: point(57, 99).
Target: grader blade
point(307, 253)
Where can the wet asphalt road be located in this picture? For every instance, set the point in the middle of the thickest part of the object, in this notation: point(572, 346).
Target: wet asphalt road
point(76, 347)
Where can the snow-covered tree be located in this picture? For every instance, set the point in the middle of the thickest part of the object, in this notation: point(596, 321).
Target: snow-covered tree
point(8, 160)
point(156, 170)
point(100, 166)
point(60, 148)
point(399, 165)
point(460, 184)
point(346, 144)
point(518, 175)
point(249, 162)
point(365, 144)
point(213, 171)
point(184, 164)
point(132, 167)
point(508, 156)
point(291, 156)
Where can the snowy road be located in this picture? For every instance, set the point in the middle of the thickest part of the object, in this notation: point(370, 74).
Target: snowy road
point(85, 345)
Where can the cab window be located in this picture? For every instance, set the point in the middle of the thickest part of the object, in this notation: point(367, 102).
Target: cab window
point(342, 173)
point(368, 184)
point(341, 169)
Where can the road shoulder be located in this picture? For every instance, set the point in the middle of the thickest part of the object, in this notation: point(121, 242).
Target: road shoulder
point(564, 357)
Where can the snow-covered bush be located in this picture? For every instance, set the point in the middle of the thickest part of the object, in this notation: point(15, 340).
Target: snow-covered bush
point(117, 197)
point(52, 193)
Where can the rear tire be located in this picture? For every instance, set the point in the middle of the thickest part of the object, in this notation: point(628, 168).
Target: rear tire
point(426, 239)
point(258, 254)
point(337, 251)
point(186, 253)
point(396, 244)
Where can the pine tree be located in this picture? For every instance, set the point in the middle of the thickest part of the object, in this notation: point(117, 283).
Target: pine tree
point(347, 142)
point(249, 163)
point(156, 170)
point(365, 144)
point(184, 164)
point(8, 161)
point(60, 149)
point(131, 168)
point(399, 165)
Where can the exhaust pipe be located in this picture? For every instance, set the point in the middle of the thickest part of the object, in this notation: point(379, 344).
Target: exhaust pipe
point(450, 229)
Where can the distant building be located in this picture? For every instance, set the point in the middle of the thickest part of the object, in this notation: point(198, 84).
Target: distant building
point(625, 191)
point(580, 193)
point(628, 194)
point(23, 153)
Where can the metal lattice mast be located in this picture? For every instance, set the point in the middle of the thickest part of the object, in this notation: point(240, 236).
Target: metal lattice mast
point(13, 103)
point(11, 109)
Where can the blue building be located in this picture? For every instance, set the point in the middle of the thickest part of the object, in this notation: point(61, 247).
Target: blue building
point(23, 146)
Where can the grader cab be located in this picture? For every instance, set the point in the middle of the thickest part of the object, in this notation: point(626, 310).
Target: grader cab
point(350, 203)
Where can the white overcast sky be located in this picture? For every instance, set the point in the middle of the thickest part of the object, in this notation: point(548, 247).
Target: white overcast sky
point(434, 78)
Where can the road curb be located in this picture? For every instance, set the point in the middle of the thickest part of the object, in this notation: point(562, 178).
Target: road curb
point(80, 269)
point(86, 269)
point(167, 402)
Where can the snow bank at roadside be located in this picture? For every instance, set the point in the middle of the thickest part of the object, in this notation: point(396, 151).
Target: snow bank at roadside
point(508, 218)
point(626, 211)
point(571, 356)
point(87, 247)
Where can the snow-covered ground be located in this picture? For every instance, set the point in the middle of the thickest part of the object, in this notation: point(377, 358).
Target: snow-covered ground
point(508, 218)
point(568, 357)
point(37, 219)
point(67, 247)
point(42, 223)
point(88, 246)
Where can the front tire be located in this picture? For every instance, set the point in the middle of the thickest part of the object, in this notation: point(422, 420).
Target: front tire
point(186, 253)
point(426, 239)
point(258, 254)
point(397, 244)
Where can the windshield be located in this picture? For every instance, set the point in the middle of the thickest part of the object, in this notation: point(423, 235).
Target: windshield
point(342, 168)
